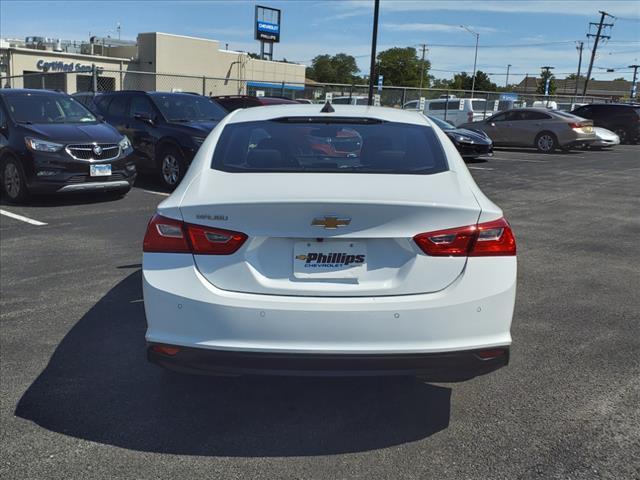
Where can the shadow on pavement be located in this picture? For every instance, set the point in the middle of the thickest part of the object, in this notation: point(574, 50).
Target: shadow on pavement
point(99, 387)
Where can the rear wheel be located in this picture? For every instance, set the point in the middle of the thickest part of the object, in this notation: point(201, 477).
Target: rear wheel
point(546, 142)
point(14, 185)
point(623, 133)
point(172, 166)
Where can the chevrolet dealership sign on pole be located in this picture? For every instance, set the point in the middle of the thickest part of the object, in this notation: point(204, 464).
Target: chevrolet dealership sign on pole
point(267, 29)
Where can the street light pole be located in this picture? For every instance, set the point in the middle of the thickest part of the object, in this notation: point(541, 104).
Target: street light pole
point(506, 83)
point(374, 40)
point(475, 58)
point(633, 82)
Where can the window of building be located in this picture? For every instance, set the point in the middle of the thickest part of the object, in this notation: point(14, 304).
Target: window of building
point(49, 81)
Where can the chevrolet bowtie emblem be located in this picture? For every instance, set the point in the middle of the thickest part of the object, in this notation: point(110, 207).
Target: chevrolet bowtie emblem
point(330, 222)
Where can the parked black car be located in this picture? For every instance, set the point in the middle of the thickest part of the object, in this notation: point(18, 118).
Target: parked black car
point(51, 143)
point(166, 129)
point(622, 119)
point(470, 143)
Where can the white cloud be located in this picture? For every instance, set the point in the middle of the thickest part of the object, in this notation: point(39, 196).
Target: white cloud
point(432, 27)
point(619, 8)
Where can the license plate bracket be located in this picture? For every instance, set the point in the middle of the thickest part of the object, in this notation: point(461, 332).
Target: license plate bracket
point(329, 259)
point(99, 170)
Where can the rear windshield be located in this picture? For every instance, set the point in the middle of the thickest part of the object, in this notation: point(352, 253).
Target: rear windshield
point(185, 107)
point(478, 104)
point(336, 146)
point(567, 115)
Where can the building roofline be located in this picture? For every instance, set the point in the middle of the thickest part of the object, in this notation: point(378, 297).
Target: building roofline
point(35, 51)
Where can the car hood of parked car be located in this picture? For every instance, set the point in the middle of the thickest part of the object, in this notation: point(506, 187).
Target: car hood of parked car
point(98, 132)
point(476, 136)
point(195, 126)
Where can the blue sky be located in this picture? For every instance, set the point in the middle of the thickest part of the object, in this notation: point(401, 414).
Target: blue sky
point(525, 34)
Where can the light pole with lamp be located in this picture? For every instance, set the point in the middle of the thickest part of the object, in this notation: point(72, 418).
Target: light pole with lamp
point(475, 59)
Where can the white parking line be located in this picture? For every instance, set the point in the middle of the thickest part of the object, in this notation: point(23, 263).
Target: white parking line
point(517, 160)
point(164, 194)
point(479, 168)
point(21, 218)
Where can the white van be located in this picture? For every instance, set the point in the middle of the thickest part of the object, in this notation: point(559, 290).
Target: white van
point(455, 110)
point(353, 100)
point(549, 104)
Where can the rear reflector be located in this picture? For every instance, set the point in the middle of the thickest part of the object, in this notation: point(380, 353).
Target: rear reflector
point(167, 235)
point(481, 240)
point(487, 354)
point(165, 349)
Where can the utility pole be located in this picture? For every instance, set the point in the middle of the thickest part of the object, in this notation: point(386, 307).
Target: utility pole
point(598, 36)
point(633, 82)
point(506, 82)
point(374, 40)
point(424, 49)
point(579, 47)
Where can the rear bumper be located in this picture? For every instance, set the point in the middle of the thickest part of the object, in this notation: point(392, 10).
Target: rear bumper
point(184, 309)
point(473, 151)
point(435, 367)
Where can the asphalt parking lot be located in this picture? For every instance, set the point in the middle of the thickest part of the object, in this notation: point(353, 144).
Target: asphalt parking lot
point(78, 399)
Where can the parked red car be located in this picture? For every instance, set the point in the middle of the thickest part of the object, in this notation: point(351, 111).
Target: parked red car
point(234, 102)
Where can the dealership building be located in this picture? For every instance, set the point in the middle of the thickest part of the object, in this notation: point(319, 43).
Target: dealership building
point(155, 61)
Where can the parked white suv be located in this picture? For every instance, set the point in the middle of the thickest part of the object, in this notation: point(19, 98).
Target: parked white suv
point(455, 110)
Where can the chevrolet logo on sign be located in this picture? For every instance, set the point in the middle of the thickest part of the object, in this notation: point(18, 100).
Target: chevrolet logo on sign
point(330, 222)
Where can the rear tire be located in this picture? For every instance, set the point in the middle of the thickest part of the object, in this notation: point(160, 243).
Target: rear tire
point(171, 167)
point(623, 133)
point(14, 184)
point(546, 142)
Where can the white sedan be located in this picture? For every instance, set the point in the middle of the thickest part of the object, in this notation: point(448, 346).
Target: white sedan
point(308, 240)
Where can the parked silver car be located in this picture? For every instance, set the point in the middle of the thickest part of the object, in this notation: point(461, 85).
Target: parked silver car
point(543, 129)
point(605, 138)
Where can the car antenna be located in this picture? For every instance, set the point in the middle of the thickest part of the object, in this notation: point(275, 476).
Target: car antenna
point(327, 108)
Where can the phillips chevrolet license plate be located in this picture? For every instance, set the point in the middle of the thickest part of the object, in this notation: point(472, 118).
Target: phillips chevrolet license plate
point(329, 259)
point(100, 170)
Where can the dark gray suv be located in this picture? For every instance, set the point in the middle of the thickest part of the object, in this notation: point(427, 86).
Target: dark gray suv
point(623, 119)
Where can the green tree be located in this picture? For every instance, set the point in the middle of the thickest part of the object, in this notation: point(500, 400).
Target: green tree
point(441, 83)
point(401, 67)
point(340, 68)
point(464, 81)
point(544, 75)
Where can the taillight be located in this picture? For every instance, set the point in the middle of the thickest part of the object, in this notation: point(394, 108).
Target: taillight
point(165, 235)
point(173, 236)
point(214, 241)
point(481, 240)
point(575, 125)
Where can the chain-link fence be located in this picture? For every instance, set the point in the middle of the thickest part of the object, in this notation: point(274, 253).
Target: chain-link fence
point(100, 80)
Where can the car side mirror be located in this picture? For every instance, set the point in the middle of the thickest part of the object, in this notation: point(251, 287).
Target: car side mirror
point(145, 117)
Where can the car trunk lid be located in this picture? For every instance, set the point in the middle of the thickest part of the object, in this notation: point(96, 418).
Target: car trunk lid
point(329, 234)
